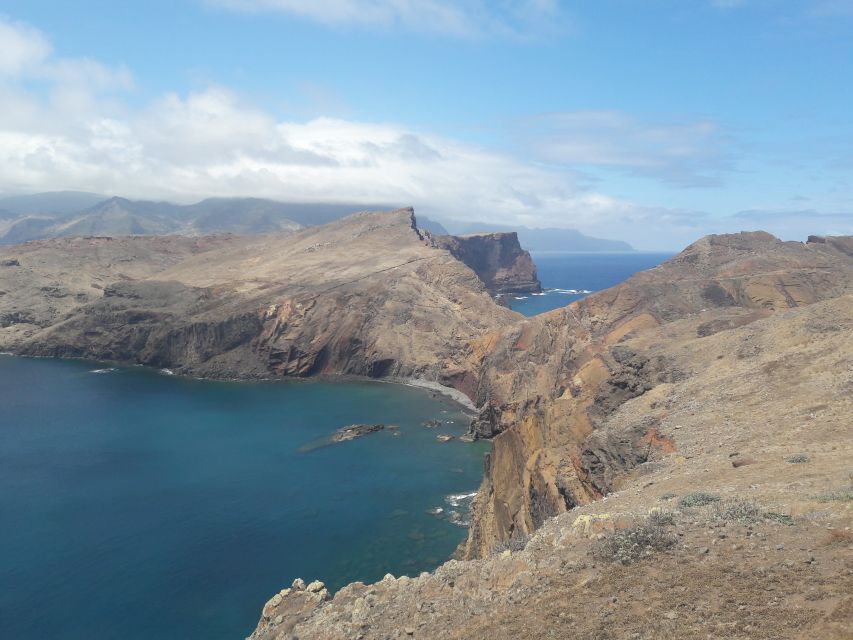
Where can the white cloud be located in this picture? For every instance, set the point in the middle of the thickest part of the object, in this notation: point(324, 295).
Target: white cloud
point(690, 153)
point(209, 143)
point(76, 132)
point(23, 48)
point(457, 18)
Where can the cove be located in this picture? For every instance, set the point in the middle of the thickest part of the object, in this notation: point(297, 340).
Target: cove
point(140, 505)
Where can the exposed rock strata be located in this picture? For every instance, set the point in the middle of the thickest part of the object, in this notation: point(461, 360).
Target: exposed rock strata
point(497, 258)
point(367, 295)
point(548, 383)
point(778, 387)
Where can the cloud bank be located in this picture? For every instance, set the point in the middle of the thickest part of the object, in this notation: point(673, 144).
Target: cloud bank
point(67, 124)
point(685, 154)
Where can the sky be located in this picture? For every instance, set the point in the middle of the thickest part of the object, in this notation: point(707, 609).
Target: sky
point(651, 121)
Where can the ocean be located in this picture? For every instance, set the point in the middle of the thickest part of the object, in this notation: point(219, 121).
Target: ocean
point(140, 505)
point(567, 277)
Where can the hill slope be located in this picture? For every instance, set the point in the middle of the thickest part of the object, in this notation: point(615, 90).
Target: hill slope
point(366, 295)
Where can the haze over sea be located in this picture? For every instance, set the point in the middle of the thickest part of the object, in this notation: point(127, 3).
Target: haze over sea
point(142, 505)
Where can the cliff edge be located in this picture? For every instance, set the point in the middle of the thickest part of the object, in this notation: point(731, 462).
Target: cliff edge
point(497, 258)
point(548, 383)
point(367, 295)
point(670, 460)
point(732, 519)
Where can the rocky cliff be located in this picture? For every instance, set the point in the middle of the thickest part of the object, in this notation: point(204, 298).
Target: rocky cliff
point(367, 295)
point(497, 258)
point(548, 383)
point(731, 521)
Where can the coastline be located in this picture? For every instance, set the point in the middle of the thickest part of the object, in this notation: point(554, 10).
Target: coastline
point(448, 392)
point(454, 394)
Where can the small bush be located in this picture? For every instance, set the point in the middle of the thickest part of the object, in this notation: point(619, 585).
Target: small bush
point(697, 499)
point(738, 510)
point(842, 495)
point(516, 543)
point(797, 458)
point(746, 512)
point(661, 518)
point(784, 518)
point(629, 545)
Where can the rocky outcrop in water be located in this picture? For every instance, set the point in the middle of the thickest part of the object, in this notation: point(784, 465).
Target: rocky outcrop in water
point(355, 431)
point(497, 258)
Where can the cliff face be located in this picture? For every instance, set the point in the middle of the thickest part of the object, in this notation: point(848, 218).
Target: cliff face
point(548, 383)
point(497, 258)
point(769, 558)
point(367, 295)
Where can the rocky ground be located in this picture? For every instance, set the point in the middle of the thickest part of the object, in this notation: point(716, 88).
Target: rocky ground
point(367, 295)
point(751, 503)
point(549, 384)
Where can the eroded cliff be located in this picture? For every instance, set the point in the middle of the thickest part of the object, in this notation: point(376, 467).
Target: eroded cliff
point(367, 295)
point(548, 383)
point(675, 464)
point(731, 521)
point(497, 258)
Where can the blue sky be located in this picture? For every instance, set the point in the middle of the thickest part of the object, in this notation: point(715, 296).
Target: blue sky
point(652, 121)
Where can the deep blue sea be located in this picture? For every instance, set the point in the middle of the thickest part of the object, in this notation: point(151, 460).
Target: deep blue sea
point(140, 505)
point(566, 277)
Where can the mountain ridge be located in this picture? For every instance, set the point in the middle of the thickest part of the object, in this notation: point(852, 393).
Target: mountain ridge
point(54, 214)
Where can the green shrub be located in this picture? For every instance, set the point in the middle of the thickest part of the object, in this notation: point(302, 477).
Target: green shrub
point(797, 458)
point(516, 543)
point(784, 518)
point(842, 495)
point(746, 512)
point(697, 499)
point(629, 545)
point(661, 518)
point(738, 510)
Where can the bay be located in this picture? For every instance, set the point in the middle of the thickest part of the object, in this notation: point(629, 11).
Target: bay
point(141, 505)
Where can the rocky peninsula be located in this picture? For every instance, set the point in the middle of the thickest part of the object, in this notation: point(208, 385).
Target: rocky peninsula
point(657, 418)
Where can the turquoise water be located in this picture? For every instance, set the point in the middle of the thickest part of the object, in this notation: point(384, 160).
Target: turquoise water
point(139, 505)
point(561, 273)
